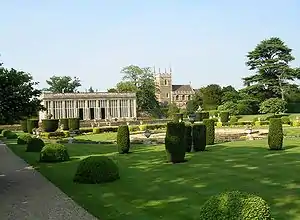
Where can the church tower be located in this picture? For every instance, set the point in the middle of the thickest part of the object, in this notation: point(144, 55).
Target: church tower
point(164, 86)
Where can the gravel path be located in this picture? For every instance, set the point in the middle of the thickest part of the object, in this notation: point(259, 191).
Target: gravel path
point(26, 194)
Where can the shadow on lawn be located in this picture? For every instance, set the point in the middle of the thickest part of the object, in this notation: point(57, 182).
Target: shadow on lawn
point(150, 187)
point(273, 175)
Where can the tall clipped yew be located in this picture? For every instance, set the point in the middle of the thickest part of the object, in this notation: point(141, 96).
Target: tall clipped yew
point(74, 123)
point(64, 122)
point(224, 116)
point(31, 124)
point(275, 136)
point(188, 138)
point(199, 137)
point(210, 131)
point(23, 124)
point(123, 139)
point(175, 142)
point(50, 125)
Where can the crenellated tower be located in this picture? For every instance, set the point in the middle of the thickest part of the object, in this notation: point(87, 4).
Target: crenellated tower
point(164, 85)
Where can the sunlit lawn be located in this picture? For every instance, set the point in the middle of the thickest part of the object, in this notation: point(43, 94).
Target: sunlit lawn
point(151, 189)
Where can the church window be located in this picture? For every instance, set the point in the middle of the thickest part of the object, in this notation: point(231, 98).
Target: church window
point(166, 82)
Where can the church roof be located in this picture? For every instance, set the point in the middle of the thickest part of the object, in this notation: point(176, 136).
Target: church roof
point(182, 88)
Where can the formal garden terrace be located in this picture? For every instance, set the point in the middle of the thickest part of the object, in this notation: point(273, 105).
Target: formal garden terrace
point(143, 178)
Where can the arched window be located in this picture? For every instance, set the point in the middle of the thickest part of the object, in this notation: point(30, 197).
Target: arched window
point(177, 97)
point(166, 82)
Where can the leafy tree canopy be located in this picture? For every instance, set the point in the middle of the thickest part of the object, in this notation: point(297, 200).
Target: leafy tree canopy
point(273, 105)
point(66, 84)
point(270, 60)
point(18, 96)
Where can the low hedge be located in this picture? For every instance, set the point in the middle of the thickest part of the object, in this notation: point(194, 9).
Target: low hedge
point(50, 125)
point(11, 135)
point(275, 135)
point(123, 139)
point(210, 131)
point(96, 169)
point(235, 205)
point(56, 134)
point(32, 124)
point(5, 132)
point(199, 137)
point(24, 139)
point(35, 145)
point(64, 123)
point(54, 153)
point(175, 142)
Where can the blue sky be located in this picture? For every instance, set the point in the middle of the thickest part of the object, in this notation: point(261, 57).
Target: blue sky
point(204, 41)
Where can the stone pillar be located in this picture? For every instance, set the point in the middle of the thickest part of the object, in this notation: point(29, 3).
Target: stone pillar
point(119, 108)
point(107, 115)
point(52, 108)
point(134, 108)
point(128, 108)
point(64, 109)
point(74, 109)
point(86, 111)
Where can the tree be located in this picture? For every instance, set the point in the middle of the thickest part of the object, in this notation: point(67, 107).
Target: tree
point(91, 90)
point(18, 97)
point(270, 60)
point(229, 93)
point(172, 110)
point(211, 95)
point(273, 105)
point(112, 90)
point(64, 84)
point(194, 103)
point(141, 81)
point(126, 86)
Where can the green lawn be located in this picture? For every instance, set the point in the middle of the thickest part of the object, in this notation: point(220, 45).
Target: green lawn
point(251, 117)
point(151, 189)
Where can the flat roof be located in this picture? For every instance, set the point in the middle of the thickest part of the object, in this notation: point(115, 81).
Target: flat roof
point(86, 95)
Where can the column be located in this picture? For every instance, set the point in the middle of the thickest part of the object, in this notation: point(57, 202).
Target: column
point(119, 108)
point(134, 108)
point(52, 108)
point(107, 115)
point(86, 110)
point(128, 108)
point(64, 109)
point(74, 109)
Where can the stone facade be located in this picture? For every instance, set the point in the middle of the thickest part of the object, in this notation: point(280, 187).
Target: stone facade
point(169, 93)
point(89, 106)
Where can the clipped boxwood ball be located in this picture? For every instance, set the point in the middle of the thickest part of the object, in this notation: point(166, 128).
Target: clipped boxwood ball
point(24, 138)
point(35, 145)
point(96, 169)
point(54, 153)
point(235, 205)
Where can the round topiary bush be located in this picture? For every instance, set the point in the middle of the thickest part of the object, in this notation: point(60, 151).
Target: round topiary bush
point(188, 138)
point(235, 206)
point(96, 169)
point(275, 136)
point(74, 124)
point(224, 116)
point(123, 139)
point(199, 137)
point(24, 139)
point(210, 131)
point(50, 125)
point(23, 124)
point(54, 153)
point(175, 142)
point(64, 123)
point(35, 145)
point(31, 124)
point(5, 132)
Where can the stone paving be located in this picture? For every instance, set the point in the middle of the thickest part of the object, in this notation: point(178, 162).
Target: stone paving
point(26, 195)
